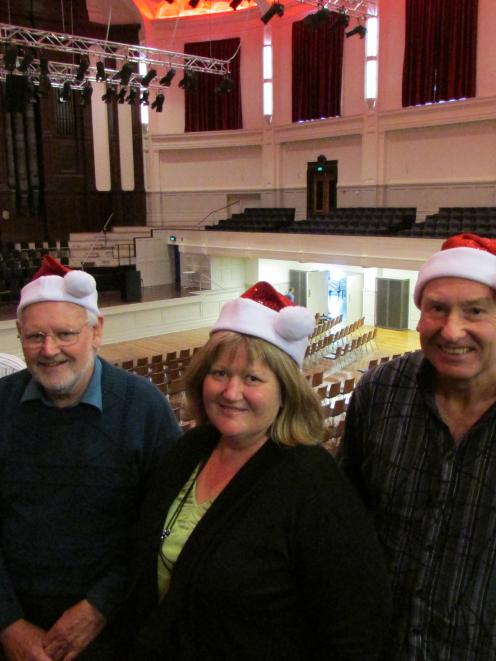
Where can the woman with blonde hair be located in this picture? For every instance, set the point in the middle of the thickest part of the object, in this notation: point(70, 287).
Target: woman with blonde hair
point(252, 545)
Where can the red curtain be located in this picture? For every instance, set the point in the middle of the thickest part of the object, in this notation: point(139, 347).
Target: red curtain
point(317, 70)
point(205, 109)
point(440, 50)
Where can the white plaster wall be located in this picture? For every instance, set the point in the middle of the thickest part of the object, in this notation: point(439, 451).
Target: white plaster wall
point(459, 152)
point(213, 168)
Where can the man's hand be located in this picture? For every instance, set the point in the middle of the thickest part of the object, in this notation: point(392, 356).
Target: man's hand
point(22, 641)
point(73, 631)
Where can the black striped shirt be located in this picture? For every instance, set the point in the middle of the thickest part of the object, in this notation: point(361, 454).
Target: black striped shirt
point(434, 505)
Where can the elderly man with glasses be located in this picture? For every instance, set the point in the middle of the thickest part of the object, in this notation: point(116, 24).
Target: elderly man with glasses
point(77, 439)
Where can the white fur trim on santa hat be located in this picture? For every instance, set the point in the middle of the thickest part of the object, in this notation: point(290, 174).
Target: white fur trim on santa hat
point(75, 287)
point(466, 263)
point(288, 329)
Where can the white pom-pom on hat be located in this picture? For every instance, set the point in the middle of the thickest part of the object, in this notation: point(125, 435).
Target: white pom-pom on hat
point(79, 284)
point(294, 323)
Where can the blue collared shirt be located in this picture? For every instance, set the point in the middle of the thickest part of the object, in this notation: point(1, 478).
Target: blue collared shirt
point(92, 395)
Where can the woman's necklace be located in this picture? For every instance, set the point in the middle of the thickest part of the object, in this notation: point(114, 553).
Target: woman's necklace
point(169, 525)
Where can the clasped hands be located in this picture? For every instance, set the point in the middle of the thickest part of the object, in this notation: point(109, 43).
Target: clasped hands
point(68, 637)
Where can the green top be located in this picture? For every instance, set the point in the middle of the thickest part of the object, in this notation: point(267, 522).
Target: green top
point(186, 513)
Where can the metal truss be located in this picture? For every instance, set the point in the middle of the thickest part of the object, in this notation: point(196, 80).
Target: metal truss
point(361, 9)
point(97, 49)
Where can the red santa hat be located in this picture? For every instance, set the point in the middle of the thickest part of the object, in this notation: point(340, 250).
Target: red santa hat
point(466, 256)
point(56, 282)
point(265, 313)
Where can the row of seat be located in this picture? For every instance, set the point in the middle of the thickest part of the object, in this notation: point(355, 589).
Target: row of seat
point(456, 220)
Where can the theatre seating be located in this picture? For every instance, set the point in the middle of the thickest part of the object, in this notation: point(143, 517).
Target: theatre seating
point(455, 220)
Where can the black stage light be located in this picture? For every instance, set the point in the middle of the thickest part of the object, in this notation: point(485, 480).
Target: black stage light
point(146, 80)
point(10, 57)
point(100, 72)
point(110, 94)
point(45, 84)
point(276, 8)
point(132, 96)
point(194, 3)
point(84, 65)
point(144, 98)
point(86, 92)
point(121, 97)
point(361, 30)
point(28, 57)
point(167, 79)
point(342, 19)
point(158, 104)
point(124, 75)
point(235, 4)
point(65, 92)
point(225, 86)
point(190, 81)
point(31, 96)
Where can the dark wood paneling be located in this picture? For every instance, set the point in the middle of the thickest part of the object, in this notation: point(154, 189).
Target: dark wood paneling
point(70, 201)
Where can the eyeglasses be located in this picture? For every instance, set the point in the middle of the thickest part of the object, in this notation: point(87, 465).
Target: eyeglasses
point(61, 338)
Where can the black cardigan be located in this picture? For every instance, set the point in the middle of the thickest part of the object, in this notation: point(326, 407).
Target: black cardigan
point(284, 565)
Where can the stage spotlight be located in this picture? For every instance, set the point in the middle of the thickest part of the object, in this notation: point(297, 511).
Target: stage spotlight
point(158, 104)
point(276, 8)
point(360, 29)
point(234, 4)
point(26, 60)
point(167, 79)
point(341, 19)
point(225, 86)
point(45, 84)
point(110, 95)
point(85, 96)
point(190, 81)
point(65, 92)
point(121, 97)
point(10, 57)
point(31, 96)
point(124, 75)
point(100, 72)
point(194, 3)
point(144, 98)
point(84, 65)
point(132, 96)
point(146, 80)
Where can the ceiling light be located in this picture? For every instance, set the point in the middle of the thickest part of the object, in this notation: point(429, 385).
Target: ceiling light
point(109, 95)
point(26, 60)
point(86, 93)
point(10, 57)
point(132, 96)
point(146, 80)
point(159, 102)
point(167, 79)
point(235, 4)
point(121, 97)
point(100, 71)
point(144, 99)
point(65, 93)
point(360, 29)
point(276, 8)
point(190, 81)
point(225, 86)
point(124, 75)
point(84, 65)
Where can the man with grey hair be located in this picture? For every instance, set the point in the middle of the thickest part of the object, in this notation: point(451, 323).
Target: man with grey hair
point(420, 447)
point(77, 439)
